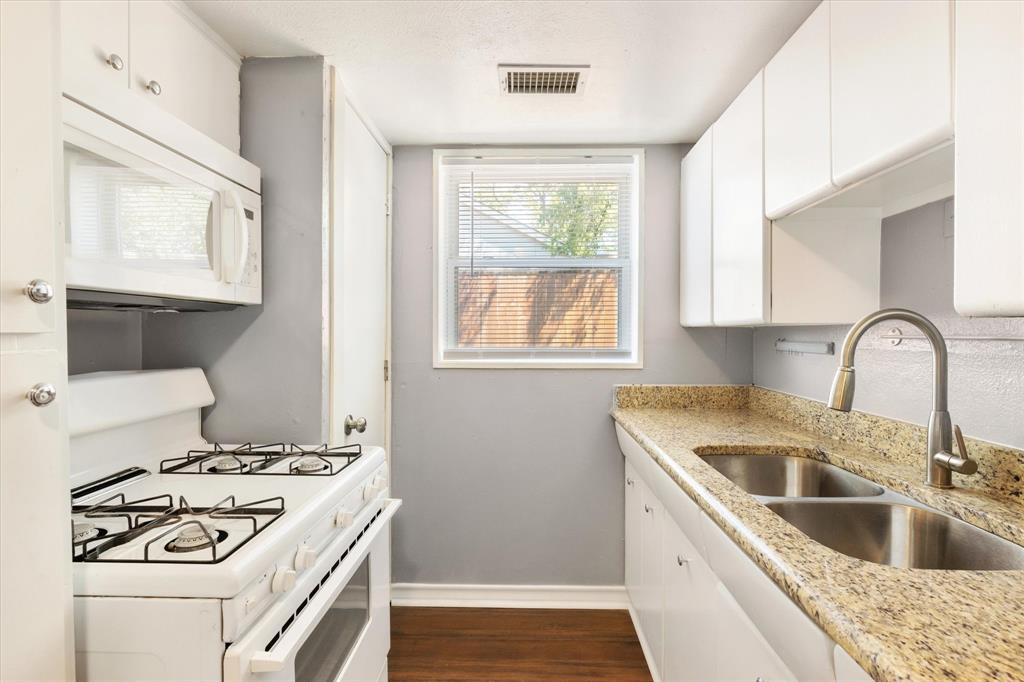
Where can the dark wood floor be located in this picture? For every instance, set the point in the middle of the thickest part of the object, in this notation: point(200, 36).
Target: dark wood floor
point(513, 644)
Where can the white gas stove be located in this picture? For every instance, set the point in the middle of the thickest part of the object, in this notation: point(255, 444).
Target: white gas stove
point(198, 561)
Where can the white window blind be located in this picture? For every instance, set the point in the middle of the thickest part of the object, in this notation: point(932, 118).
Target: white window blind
point(537, 258)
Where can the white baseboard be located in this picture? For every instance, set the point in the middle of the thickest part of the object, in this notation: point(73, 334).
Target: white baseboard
point(510, 596)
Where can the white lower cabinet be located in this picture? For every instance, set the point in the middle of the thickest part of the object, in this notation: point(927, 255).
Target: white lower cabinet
point(703, 609)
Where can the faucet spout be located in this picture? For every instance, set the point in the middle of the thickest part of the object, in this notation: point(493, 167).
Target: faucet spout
point(940, 427)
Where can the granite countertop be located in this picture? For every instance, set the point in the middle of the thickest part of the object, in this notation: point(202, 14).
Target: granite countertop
point(897, 623)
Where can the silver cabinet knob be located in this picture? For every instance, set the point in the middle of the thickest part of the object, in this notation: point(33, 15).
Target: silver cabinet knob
point(42, 394)
point(353, 424)
point(39, 291)
point(154, 87)
point(115, 61)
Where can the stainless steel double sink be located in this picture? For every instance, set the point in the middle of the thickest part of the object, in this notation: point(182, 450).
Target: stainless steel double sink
point(860, 518)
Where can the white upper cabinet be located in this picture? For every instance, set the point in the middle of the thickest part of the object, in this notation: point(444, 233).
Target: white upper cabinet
point(197, 78)
point(740, 236)
point(153, 51)
point(695, 294)
point(988, 238)
point(94, 38)
point(797, 126)
point(891, 67)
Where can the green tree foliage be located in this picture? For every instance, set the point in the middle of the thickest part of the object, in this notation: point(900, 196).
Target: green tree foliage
point(575, 217)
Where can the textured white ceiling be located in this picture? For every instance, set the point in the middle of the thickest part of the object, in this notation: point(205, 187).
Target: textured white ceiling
point(426, 72)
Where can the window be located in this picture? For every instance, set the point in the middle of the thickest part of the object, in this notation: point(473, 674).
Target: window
point(537, 258)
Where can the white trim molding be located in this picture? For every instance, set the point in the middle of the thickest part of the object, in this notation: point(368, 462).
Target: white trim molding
point(510, 596)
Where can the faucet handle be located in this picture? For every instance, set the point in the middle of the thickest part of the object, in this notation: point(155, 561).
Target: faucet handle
point(962, 464)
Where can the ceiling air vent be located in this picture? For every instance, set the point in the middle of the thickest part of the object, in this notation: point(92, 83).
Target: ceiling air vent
point(534, 79)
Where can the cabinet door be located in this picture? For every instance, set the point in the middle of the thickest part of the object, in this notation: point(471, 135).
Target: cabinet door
point(28, 140)
point(634, 529)
point(94, 41)
point(988, 239)
point(651, 603)
point(891, 83)
point(740, 232)
point(695, 293)
point(690, 636)
point(746, 655)
point(198, 79)
point(797, 123)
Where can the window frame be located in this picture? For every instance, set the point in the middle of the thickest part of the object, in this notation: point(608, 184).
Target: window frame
point(560, 358)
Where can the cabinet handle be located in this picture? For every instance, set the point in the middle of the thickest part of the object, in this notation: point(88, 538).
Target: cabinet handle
point(115, 61)
point(154, 87)
point(681, 561)
point(647, 508)
point(629, 481)
point(39, 291)
point(42, 395)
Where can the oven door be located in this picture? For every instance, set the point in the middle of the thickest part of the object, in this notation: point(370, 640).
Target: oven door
point(142, 219)
point(336, 624)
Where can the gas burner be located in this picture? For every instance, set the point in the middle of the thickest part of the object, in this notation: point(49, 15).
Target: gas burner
point(195, 536)
point(158, 531)
point(309, 464)
point(86, 530)
point(227, 464)
point(274, 459)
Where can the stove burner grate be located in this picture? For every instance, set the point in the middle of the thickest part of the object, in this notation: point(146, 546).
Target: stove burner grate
point(252, 459)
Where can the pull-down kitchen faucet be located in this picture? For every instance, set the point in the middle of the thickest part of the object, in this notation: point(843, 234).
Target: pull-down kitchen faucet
point(940, 460)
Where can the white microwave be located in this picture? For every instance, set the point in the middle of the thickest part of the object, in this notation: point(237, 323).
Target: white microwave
point(143, 219)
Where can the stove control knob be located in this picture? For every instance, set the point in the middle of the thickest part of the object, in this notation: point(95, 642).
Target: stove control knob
point(283, 580)
point(371, 490)
point(305, 557)
point(343, 519)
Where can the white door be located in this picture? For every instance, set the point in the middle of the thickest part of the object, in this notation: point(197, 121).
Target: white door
point(690, 613)
point(747, 655)
point(891, 91)
point(359, 279)
point(35, 563)
point(740, 234)
point(634, 530)
point(652, 597)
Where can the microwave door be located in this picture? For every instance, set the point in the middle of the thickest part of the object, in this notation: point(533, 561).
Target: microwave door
point(135, 225)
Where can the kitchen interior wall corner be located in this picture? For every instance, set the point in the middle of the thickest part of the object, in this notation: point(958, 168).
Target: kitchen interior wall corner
point(265, 363)
point(986, 377)
point(514, 476)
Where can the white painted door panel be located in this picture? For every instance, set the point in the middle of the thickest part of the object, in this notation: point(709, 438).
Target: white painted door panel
point(91, 32)
point(652, 601)
point(741, 239)
point(988, 269)
point(695, 291)
point(28, 136)
point(359, 265)
point(891, 83)
point(690, 641)
point(797, 120)
point(634, 529)
point(746, 655)
point(198, 80)
point(34, 509)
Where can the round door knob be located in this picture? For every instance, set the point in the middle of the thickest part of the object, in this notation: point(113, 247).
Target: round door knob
point(154, 87)
point(305, 557)
point(283, 580)
point(42, 394)
point(115, 61)
point(343, 518)
point(39, 291)
point(353, 424)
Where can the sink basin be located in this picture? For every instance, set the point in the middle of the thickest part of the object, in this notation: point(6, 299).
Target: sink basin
point(785, 476)
point(901, 535)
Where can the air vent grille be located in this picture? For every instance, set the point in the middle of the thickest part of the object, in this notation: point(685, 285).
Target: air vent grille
point(517, 79)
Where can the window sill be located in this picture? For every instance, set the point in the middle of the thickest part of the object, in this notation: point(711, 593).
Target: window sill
point(537, 364)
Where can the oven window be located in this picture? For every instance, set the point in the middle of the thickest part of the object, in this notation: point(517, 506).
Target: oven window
point(324, 654)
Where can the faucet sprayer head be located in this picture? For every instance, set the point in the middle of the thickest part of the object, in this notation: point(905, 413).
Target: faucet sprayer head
point(841, 397)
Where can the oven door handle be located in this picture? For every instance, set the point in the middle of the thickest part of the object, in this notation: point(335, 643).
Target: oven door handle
point(276, 659)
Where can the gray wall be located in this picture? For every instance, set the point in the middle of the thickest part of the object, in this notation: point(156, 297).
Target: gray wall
point(104, 340)
point(515, 476)
point(986, 377)
point(265, 363)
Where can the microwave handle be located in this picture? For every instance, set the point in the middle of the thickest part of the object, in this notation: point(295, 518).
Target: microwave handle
point(241, 226)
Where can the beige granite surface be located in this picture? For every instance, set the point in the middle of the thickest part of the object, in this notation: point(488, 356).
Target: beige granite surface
point(899, 624)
